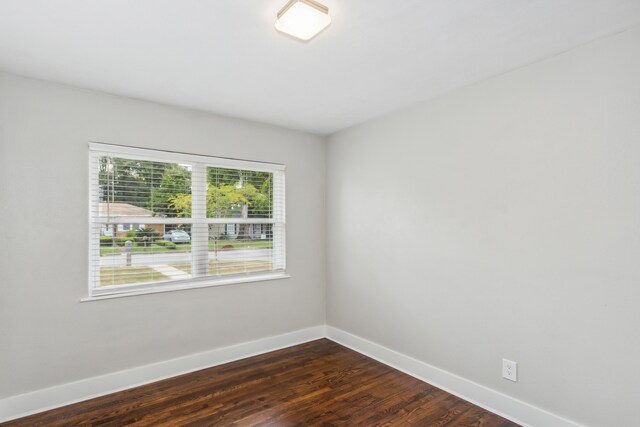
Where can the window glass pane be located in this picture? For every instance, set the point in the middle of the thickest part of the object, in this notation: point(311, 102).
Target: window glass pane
point(249, 250)
point(233, 193)
point(143, 188)
point(154, 253)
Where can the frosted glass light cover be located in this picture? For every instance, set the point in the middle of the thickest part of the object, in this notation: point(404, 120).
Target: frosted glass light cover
point(303, 19)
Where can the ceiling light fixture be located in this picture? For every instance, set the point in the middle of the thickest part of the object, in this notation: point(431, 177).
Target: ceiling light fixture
point(303, 19)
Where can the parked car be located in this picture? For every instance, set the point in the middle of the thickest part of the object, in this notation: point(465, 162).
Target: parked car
point(177, 236)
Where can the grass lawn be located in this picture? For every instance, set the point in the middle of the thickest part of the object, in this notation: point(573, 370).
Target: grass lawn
point(217, 268)
point(254, 244)
point(125, 275)
point(142, 274)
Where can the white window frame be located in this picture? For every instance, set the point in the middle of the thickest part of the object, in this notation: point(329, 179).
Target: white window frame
point(199, 222)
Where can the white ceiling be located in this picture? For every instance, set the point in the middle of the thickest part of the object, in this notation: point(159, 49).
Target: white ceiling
point(224, 56)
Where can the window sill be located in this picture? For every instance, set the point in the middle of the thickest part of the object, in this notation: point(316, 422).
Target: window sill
point(181, 287)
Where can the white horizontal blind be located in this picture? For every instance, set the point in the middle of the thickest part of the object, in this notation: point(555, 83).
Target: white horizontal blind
point(163, 219)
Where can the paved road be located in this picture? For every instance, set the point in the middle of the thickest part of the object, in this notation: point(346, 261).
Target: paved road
point(184, 257)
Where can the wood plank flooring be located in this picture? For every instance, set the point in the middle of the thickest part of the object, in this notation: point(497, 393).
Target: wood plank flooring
point(319, 383)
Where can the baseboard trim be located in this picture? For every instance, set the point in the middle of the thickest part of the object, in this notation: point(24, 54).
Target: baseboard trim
point(41, 400)
point(508, 407)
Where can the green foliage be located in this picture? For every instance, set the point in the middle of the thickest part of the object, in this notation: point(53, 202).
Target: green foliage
point(165, 243)
point(106, 241)
point(131, 234)
point(259, 205)
point(164, 188)
point(222, 201)
point(147, 234)
point(120, 241)
point(113, 241)
point(262, 206)
point(142, 235)
point(175, 180)
point(129, 181)
point(181, 203)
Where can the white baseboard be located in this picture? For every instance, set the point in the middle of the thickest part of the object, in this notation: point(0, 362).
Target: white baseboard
point(65, 394)
point(492, 400)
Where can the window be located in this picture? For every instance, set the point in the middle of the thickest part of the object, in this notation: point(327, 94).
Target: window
point(127, 227)
point(165, 221)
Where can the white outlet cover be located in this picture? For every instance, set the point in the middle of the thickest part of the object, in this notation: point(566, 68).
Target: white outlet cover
point(509, 370)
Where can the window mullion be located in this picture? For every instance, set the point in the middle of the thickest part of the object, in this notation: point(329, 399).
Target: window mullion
point(200, 228)
point(279, 241)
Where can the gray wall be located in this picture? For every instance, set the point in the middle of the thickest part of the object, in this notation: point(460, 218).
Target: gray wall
point(47, 337)
point(502, 220)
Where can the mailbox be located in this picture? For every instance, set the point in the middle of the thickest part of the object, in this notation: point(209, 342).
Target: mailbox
point(128, 245)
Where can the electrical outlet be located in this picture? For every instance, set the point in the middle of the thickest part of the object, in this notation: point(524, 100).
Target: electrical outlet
point(509, 370)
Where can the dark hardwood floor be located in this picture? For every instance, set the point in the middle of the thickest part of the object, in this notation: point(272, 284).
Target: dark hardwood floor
point(319, 383)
